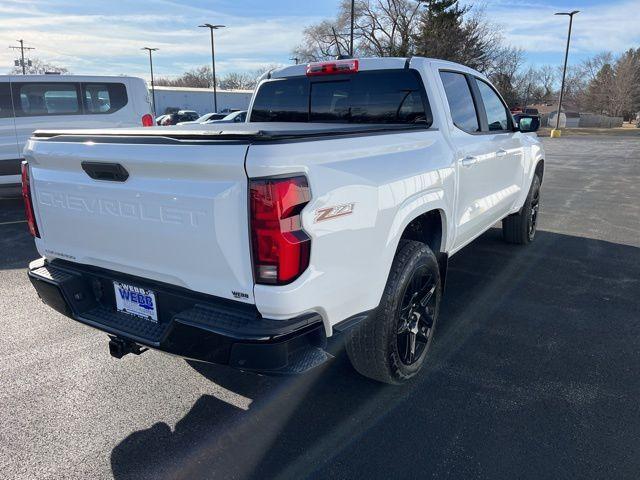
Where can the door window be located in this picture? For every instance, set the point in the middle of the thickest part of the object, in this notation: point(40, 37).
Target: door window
point(497, 116)
point(36, 99)
point(463, 110)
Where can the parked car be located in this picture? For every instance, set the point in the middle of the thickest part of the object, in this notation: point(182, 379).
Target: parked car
point(160, 118)
point(63, 101)
point(235, 117)
point(205, 118)
point(179, 116)
point(332, 213)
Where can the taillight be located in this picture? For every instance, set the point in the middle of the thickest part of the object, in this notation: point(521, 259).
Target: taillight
point(28, 205)
point(147, 120)
point(281, 248)
point(332, 68)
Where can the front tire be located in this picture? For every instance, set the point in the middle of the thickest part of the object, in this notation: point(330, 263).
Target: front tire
point(520, 228)
point(391, 345)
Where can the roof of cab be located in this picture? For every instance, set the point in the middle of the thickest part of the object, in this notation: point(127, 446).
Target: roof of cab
point(378, 63)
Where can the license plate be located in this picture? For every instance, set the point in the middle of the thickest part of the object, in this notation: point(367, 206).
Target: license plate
point(136, 301)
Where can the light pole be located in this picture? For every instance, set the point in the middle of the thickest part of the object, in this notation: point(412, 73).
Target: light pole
point(556, 131)
point(213, 62)
point(153, 89)
point(352, 22)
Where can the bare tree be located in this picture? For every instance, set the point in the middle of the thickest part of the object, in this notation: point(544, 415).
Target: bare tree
point(503, 73)
point(199, 78)
point(237, 81)
point(244, 80)
point(382, 28)
point(39, 67)
point(386, 27)
point(625, 91)
point(592, 66)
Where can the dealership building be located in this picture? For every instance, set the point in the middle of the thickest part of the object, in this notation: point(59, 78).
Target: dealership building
point(199, 99)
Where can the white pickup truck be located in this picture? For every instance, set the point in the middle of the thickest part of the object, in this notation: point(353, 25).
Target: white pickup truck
point(331, 213)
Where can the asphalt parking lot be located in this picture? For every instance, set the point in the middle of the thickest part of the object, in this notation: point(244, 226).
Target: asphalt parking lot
point(533, 372)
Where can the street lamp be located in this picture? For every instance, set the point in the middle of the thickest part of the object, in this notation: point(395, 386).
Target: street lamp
point(153, 90)
point(213, 62)
point(353, 8)
point(556, 132)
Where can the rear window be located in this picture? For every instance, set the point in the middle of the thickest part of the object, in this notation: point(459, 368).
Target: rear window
point(103, 97)
point(378, 96)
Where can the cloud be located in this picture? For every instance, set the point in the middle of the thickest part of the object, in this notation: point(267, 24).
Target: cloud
point(611, 26)
point(105, 42)
point(94, 36)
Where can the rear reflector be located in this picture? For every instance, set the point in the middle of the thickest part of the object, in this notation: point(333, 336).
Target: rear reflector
point(280, 246)
point(28, 205)
point(147, 120)
point(332, 68)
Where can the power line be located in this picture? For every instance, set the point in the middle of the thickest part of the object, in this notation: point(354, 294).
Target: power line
point(22, 48)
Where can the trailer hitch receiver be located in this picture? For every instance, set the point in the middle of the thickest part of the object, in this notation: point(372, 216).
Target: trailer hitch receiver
point(119, 347)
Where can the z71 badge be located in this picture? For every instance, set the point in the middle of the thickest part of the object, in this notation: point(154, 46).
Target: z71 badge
point(328, 213)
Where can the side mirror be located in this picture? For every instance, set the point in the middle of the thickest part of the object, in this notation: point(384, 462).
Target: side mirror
point(527, 123)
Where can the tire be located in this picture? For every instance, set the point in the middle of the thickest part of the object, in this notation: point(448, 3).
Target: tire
point(520, 228)
point(380, 347)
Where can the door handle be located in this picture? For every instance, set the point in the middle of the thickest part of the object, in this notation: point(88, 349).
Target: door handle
point(501, 153)
point(468, 161)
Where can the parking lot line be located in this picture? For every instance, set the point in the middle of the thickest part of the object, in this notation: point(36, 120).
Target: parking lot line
point(12, 223)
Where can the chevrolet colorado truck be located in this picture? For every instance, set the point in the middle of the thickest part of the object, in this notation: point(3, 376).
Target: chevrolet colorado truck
point(332, 212)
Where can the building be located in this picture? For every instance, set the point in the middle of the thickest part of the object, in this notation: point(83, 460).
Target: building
point(199, 99)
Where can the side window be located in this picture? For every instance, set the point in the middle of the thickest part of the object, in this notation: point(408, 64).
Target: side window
point(497, 116)
point(56, 98)
point(463, 110)
point(6, 110)
point(103, 97)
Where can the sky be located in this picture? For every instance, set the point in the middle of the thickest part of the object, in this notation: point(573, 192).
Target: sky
point(105, 37)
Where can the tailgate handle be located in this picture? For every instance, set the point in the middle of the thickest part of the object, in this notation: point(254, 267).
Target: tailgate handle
point(113, 172)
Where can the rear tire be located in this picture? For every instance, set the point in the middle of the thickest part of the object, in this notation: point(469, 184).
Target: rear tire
point(520, 228)
point(392, 343)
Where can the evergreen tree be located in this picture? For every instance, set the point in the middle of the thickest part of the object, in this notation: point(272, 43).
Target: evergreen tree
point(448, 31)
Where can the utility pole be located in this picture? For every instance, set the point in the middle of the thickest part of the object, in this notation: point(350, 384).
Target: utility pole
point(213, 62)
point(352, 23)
point(153, 89)
point(22, 48)
point(556, 131)
point(295, 59)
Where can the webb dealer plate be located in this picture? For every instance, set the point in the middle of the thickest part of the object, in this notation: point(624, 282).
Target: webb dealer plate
point(136, 301)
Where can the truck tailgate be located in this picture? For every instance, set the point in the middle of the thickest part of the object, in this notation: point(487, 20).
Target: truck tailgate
point(180, 216)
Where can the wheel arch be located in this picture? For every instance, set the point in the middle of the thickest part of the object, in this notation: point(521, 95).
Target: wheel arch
point(430, 228)
point(427, 228)
point(539, 169)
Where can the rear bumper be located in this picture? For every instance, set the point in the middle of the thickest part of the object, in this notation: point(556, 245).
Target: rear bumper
point(190, 324)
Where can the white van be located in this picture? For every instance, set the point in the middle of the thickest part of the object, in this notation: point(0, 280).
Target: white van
point(33, 102)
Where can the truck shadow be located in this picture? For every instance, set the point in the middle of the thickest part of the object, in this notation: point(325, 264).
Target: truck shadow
point(531, 343)
point(17, 248)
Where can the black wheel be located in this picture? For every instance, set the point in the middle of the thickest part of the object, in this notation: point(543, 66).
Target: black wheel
point(520, 228)
point(391, 345)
